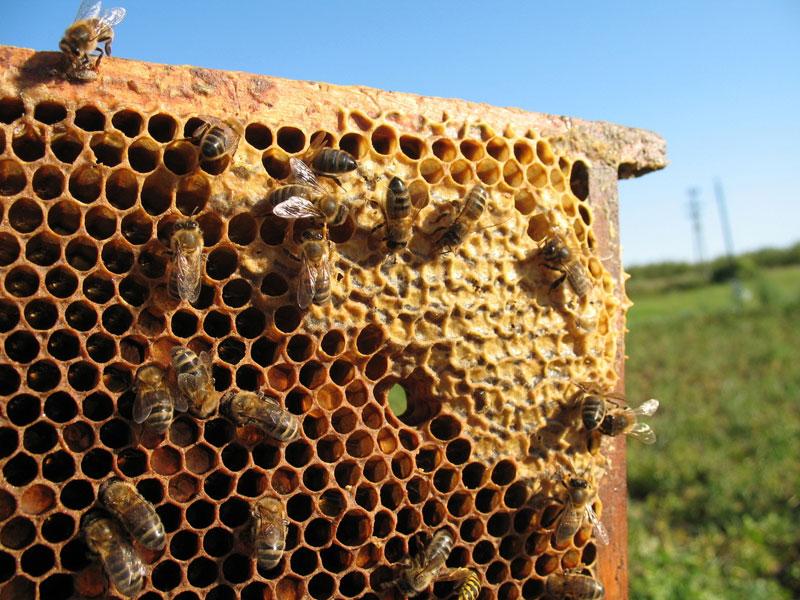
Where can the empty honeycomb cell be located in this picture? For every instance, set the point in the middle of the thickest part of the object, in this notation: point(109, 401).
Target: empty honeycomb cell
point(180, 157)
point(184, 324)
point(9, 380)
point(366, 497)
point(81, 253)
point(488, 171)
point(192, 194)
point(58, 527)
point(17, 533)
point(157, 191)
point(117, 378)
point(344, 420)
point(300, 348)
point(299, 453)
point(9, 316)
point(8, 504)
point(281, 377)
point(431, 170)
point(12, 177)
point(77, 494)
point(359, 444)
point(347, 473)
point(445, 479)
point(67, 145)
point(21, 346)
point(215, 323)
point(132, 462)
point(48, 182)
point(521, 567)
point(545, 152)
point(20, 470)
point(237, 568)
point(276, 163)
point(259, 136)
point(537, 175)
point(7, 566)
point(78, 436)
point(144, 155)
point(513, 174)
point(200, 514)
point(23, 409)
point(319, 532)
point(90, 118)
point(298, 401)
point(22, 282)
point(43, 375)
point(557, 181)
point(497, 148)
point(487, 500)
point(312, 374)
point(9, 249)
point(461, 172)
point(152, 265)
point(60, 407)
point(354, 529)
point(101, 223)
point(218, 485)
point(96, 463)
point(504, 472)
point(525, 202)
point(291, 139)
point(284, 480)
point(28, 144)
point(218, 432)
point(86, 183)
point(523, 152)
point(166, 575)
point(444, 149)
point(162, 127)
point(459, 504)
point(315, 425)
point(546, 564)
point(376, 469)
point(496, 572)
point(164, 460)
point(201, 572)
point(376, 367)
point(315, 478)
point(589, 554)
point(98, 289)
point(251, 484)
point(408, 520)
point(231, 350)
point(384, 140)
point(387, 442)
point(64, 218)
point(458, 451)
point(471, 530)
point(39, 438)
point(183, 487)
point(108, 148)
point(57, 587)
point(222, 262)
point(391, 495)
point(250, 323)
point(122, 189)
point(170, 516)
point(412, 147)
point(37, 560)
point(25, 215)
point(433, 513)
point(82, 376)
point(128, 122)
point(117, 319)
point(516, 495)
point(11, 109)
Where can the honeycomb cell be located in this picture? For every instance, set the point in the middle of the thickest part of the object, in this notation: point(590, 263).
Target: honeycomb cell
point(12, 177)
point(144, 155)
point(122, 189)
point(86, 183)
point(37, 560)
point(412, 147)
point(22, 282)
point(108, 148)
point(276, 163)
point(355, 145)
point(9, 249)
point(433, 513)
point(258, 135)
point(431, 170)
point(25, 215)
point(461, 172)
point(60, 407)
point(170, 516)
point(17, 533)
point(67, 145)
point(376, 367)
point(39, 438)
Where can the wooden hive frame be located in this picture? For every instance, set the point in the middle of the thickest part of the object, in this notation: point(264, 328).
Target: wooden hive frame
point(93, 176)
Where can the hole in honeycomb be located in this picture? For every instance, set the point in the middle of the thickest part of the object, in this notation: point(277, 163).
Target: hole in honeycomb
point(192, 194)
point(250, 323)
point(375, 469)
point(18, 533)
point(433, 513)
point(281, 377)
point(312, 374)
point(471, 530)
point(298, 453)
point(376, 367)
point(285, 480)
point(90, 118)
point(314, 425)
point(497, 148)
point(108, 148)
point(157, 193)
point(300, 348)
point(9, 380)
point(128, 122)
point(200, 514)
point(21, 346)
point(488, 171)
point(287, 318)
point(384, 140)
point(60, 407)
point(537, 175)
point(98, 289)
point(28, 145)
point(12, 178)
point(183, 487)
point(276, 163)
point(391, 495)
point(132, 462)
point(259, 136)
point(458, 451)
point(236, 293)
point(431, 170)
point(122, 188)
point(444, 149)
point(25, 215)
point(67, 146)
point(366, 497)
point(162, 127)
point(347, 474)
point(218, 485)
point(242, 229)
point(9, 249)
point(546, 564)
point(408, 520)
point(461, 172)
point(304, 561)
point(180, 157)
point(77, 494)
point(545, 153)
point(516, 495)
point(487, 500)
point(273, 230)
point(504, 472)
point(96, 463)
point(58, 528)
point(133, 291)
point(20, 470)
point(201, 572)
point(39, 438)
point(58, 466)
point(319, 532)
point(586, 215)
point(354, 528)
point(221, 263)
point(236, 569)
point(49, 113)
point(48, 182)
point(472, 150)
point(445, 479)
point(86, 183)
point(354, 144)
point(164, 460)
point(291, 139)
point(344, 420)
point(23, 409)
point(412, 146)
point(43, 375)
point(11, 109)
point(78, 436)
point(512, 174)
point(166, 575)
point(63, 345)
point(81, 253)
point(37, 560)
point(170, 516)
point(330, 449)
point(143, 155)
point(184, 324)
point(231, 350)
point(215, 324)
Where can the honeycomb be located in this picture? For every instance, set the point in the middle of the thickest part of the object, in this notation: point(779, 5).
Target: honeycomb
point(93, 177)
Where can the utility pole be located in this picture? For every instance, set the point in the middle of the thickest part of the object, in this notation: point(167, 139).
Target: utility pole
point(697, 226)
point(740, 294)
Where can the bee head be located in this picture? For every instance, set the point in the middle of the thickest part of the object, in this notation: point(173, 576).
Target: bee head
point(312, 235)
point(578, 483)
point(396, 246)
point(555, 249)
point(397, 186)
point(188, 224)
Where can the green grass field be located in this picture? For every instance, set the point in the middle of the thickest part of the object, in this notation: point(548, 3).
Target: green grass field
point(715, 503)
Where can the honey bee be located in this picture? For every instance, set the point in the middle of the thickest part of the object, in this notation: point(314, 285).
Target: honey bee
point(269, 531)
point(216, 138)
point(121, 563)
point(262, 411)
point(309, 199)
point(397, 216)
point(154, 403)
point(186, 268)
point(559, 257)
point(574, 586)
point(579, 505)
point(609, 413)
point(471, 211)
point(471, 587)
point(135, 513)
point(328, 162)
point(194, 381)
point(419, 572)
point(315, 272)
point(88, 31)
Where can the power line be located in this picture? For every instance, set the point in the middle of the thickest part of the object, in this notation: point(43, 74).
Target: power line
point(697, 226)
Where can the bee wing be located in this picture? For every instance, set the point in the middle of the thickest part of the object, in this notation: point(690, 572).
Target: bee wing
point(296, 208)
point(647, 409)
point(302, 173)
point(205, 360)
point(189, 275)
point(113, 16)
point(124, 554)
point(267, 398)
point(324, 276)
point(307, 286)
point(189, 385)
point(89, 9)
point(599, 528)
point(643, 433)
point(141, 409)
point(179, 402)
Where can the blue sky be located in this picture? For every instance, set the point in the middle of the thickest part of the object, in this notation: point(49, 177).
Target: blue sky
point(720, 80)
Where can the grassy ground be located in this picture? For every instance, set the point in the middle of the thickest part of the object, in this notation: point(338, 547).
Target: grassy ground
point(715, 504)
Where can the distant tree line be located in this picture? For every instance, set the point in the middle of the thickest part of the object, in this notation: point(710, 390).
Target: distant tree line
point(661, 276)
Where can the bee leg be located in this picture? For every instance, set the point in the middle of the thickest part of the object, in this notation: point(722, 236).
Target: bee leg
point(294, 256)
point(558, 282)
point(106, 44)
point(378, 226)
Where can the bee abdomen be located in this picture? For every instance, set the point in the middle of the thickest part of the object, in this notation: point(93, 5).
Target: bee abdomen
point(592, 412)
point(331, 160)
point(126, 576)
point(579, 280)
point(471, 587)
point(287, 428)
point(269, 554)
point(214, 143)
point(161, 413)
point(613, 424)
point(145, 525)
point(322, 296)
point(568, 525)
